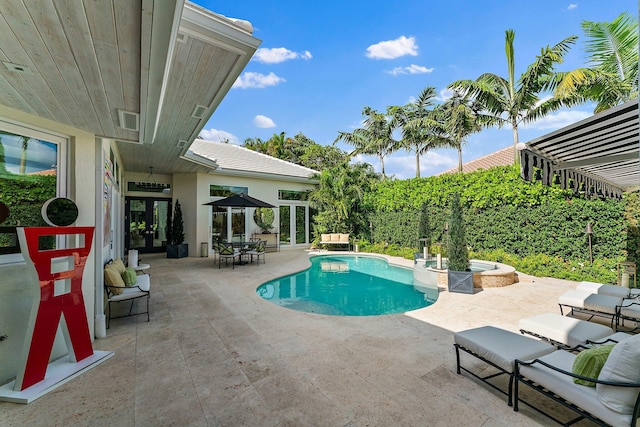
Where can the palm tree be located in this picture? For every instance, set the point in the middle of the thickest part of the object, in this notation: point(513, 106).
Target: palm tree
point(374, 138)
point(515, 102)
point(418, 125)
point(612, 77)
point(23, 157)
point(460, 117)
point(339, 198)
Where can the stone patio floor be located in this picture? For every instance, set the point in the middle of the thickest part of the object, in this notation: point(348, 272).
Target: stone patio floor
point(216, 354)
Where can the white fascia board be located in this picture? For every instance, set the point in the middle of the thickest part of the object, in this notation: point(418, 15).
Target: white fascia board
point(214, 29)
point(200, 160)
point(264, 175)
point(159, 31)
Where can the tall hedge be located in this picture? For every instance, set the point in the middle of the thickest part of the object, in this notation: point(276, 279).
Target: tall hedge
point(504, 212)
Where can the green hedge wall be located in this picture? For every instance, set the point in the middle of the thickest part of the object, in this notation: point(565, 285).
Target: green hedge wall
point(25, 197)
point(504, 212)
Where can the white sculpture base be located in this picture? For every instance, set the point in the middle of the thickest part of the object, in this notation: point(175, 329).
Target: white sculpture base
point(58, 373)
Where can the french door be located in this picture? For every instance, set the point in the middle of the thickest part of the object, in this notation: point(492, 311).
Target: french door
point(146, 223)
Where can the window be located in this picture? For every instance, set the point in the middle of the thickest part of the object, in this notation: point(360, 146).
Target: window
point(31, 172)
point(293, 195)
point(226, 190)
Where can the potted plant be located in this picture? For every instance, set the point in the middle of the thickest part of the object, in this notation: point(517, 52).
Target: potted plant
point(460, 277)
point(176, 248)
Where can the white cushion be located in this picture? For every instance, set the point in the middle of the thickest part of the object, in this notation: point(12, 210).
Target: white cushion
point(631, 309)
point(599, 288)
point(614, 338)
point(563, 385)
point(590, 301)
point(623, 365)
point(500, 346)
point(143, 282)
point(566, 330)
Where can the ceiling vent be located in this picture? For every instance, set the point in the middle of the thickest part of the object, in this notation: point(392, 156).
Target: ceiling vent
point(181, 143)
point(129, 120)
point(199, 111)
point(16, 68)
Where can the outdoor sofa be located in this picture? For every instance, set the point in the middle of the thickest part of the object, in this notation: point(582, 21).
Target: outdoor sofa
point(336, 239)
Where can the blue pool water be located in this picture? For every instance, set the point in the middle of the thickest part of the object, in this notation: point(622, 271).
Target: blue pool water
point(349, 285)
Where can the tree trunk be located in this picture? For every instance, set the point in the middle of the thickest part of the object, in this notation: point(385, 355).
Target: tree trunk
point(417, 164)
point(460, 159)
point(516, 157)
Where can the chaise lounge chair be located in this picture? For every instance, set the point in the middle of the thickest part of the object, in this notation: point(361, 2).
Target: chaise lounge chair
point(613, 401)
point(611, 290)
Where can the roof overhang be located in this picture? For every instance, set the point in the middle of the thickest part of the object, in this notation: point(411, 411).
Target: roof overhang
point(598, 155)
point(146, 74)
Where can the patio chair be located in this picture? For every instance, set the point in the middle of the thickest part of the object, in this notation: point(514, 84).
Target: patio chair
point(258, 251)
point(613, 400)
point(228, 252)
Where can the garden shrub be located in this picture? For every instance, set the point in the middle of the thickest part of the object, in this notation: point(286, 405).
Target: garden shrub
point(540, 229)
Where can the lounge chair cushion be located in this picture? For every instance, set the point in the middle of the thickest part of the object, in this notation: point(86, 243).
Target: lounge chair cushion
point(602, 289)
point(589, 301)
point(344, 238)
point(589, 363)
point(563, 386)
point(325, 237)
point(500, 346)
point(630, 310)
point(563, 329)
point(623, 364)
point(113, 279)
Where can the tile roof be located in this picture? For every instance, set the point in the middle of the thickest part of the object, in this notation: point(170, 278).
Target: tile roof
point(234, 159)
point(502, 157)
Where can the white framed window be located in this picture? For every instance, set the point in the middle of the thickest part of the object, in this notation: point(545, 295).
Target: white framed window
point(33, 169)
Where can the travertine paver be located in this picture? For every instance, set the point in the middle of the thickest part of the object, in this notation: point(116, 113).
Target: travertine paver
point(215, 353)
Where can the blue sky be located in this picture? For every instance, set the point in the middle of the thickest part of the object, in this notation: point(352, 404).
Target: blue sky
point(320, 63)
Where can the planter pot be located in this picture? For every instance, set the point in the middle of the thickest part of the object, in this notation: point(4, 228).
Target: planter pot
point(460, 281)
point(178, 251)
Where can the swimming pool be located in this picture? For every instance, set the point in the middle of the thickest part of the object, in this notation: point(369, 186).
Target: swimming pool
point(349, 285)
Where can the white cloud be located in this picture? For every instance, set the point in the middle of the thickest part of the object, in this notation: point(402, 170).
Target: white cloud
point(572, 6)
point(412, 69)
point(391, 49)
point(558, 120)
point(263, 122)
point(219, 136)
point(256, 80)
point(279, 54)
point(403, 166)
point(445, 94)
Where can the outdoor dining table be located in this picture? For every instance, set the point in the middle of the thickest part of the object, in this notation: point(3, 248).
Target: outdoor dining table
point(244, 247)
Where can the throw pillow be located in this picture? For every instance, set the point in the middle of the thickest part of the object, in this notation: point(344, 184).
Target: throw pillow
point(129, 276)
point(113, 279)
point(623, 365)
point(589, 363)
point(119, 265)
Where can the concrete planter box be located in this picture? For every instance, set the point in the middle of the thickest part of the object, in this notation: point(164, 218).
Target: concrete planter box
point(178, 251)
point(460, 281)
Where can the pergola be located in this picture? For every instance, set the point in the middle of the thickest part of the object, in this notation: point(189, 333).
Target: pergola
point(598, 155)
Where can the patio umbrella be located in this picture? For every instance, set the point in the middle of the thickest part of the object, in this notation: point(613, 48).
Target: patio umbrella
point(240, 201)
